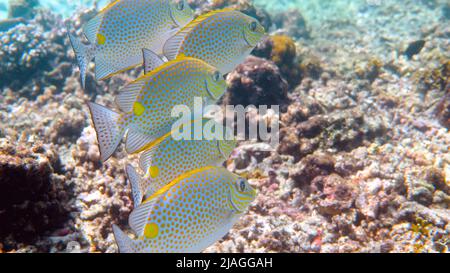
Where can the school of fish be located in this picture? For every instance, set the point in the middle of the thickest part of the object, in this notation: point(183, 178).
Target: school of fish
point(184, 199)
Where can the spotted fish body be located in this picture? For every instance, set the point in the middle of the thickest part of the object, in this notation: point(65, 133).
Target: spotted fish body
point(188, 215)
point(121, 30)
point(168, 158)
point(148, 102)
point(221, 38)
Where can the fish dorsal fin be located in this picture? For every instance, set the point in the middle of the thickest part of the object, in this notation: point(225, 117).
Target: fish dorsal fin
point(206, 16)
point(180, 178)
point(151, 60)
point(145, 162)
point(139, 217)
point(136, 142)
point(91, 28)
point(173, 45)
point(136, 184)
point(109, 6)
point(106, 68)
point(162, 67)
point(128, 95)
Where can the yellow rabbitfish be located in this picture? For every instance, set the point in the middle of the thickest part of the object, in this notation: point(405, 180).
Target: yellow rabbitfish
point(147, 104)
point(189, 214)
point(221, 38)
point(120, 31)
point(168, 158)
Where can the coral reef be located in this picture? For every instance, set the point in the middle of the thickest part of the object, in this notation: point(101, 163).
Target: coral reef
point(33, 194)
point(443, 110)
point(434, 78)
point(36, 50)
point(284, 55)
point(22, 8)
point(256, 82)
point(282, 50)
point(362, 166)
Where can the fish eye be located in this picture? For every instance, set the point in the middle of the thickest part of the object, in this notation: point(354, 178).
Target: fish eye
point(253, 26)
point(242, 185)
point(216, 76)
point(180, 5)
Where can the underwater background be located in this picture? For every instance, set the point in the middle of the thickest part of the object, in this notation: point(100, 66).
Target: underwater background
point(363, 163)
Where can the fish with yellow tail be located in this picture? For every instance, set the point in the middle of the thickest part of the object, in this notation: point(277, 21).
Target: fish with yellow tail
point(222, 38)
point(168, 158)
point(120, 31)
point(189, 214)
point(147, 104)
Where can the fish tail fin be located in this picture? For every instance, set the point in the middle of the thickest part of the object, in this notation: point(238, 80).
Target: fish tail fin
point(84, 54)
point(136, 185)
point(151, 60)
point(109, 127)
point(124, 243)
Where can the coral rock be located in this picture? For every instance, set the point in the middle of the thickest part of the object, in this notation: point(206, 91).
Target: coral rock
point(311, 167)
point(256, 82)
point(32, 195)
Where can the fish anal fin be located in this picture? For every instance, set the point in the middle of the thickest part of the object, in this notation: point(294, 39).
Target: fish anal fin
point(105, 67)
point(136, 184)
point(124, 243)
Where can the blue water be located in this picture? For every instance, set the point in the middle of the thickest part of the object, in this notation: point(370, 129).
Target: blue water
point(345, 8)
point(65, 8)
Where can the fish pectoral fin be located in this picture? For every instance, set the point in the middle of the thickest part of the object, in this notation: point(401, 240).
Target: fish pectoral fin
point(151, 60)
point(91, 28)
point(136, 142)
point(128, 95)
point(172, 46)
point(124, 243)
point(136, 184)
point(139, 217)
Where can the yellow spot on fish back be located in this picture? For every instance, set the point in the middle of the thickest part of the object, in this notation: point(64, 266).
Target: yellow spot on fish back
point(138, 109)
point(101, 39)
point(151, 231)
point(154, 171)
